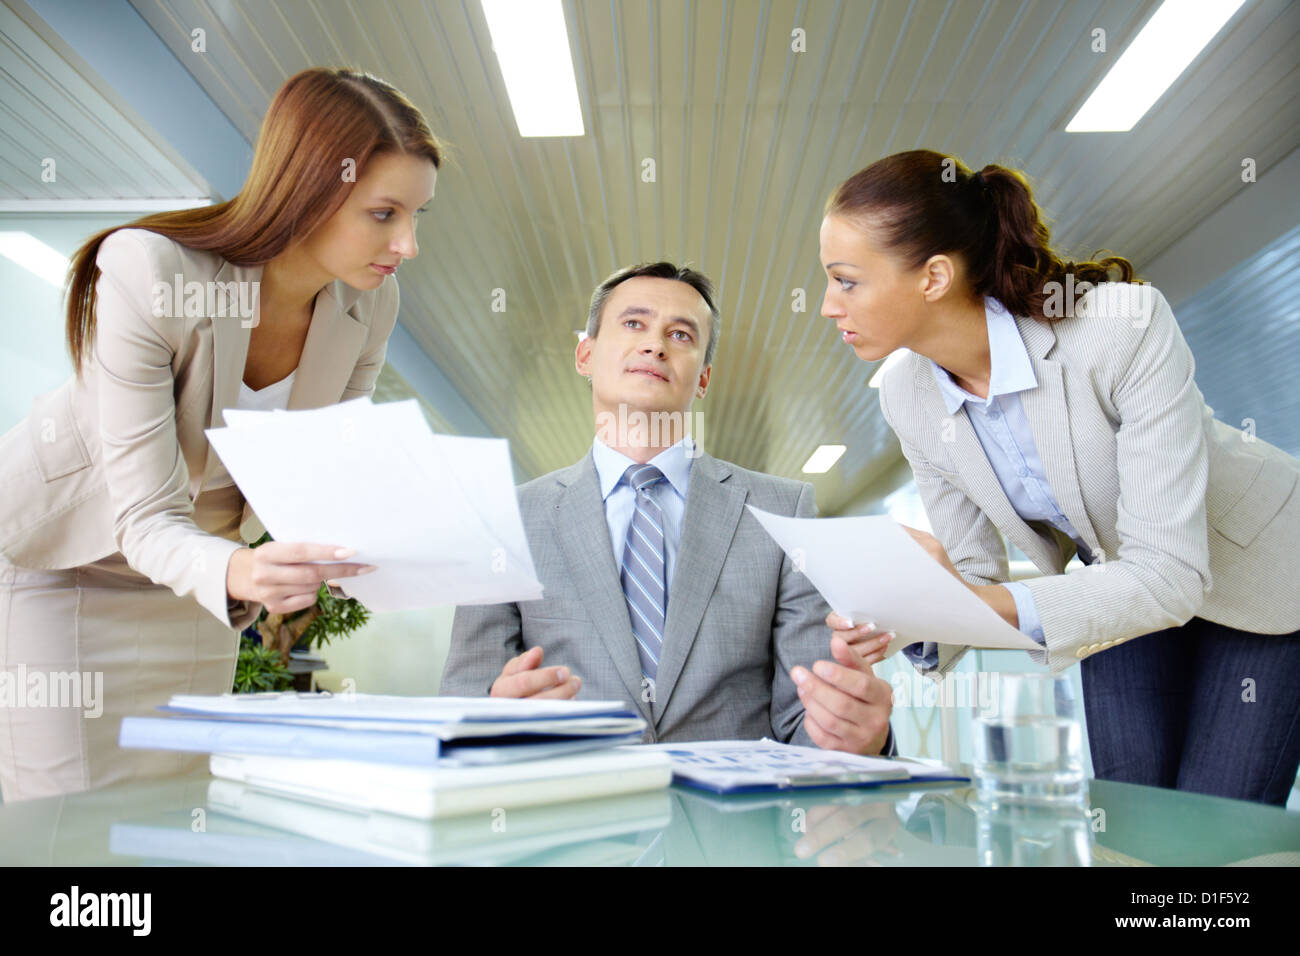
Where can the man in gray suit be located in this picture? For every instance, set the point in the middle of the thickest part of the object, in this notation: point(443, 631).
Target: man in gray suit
point(660, 587)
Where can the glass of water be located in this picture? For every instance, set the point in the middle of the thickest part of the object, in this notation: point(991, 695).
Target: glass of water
point(1028, 742)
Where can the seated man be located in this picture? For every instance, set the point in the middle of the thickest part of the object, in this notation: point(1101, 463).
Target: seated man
point(660, 587)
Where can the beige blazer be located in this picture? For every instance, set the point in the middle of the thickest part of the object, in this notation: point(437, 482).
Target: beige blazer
point(1189, 516)
point(114, 462)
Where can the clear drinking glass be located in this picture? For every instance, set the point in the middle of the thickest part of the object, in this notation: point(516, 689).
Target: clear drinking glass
point(1028, 742)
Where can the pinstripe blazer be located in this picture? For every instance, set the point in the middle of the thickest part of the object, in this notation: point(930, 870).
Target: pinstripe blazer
point(113, 462)
point(1189, 516)
point(739, 615)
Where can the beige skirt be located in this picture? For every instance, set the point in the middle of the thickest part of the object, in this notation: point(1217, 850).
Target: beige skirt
point(84, 647)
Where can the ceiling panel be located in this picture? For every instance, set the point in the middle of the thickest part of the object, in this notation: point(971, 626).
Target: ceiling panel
point(51, 109)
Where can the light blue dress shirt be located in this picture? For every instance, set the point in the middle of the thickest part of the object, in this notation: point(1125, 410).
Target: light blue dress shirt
point(620, 499)
point(1008, 442)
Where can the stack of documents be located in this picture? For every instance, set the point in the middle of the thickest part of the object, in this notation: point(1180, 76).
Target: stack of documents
point(436, 515)
point(760, 766)
point(413, 756)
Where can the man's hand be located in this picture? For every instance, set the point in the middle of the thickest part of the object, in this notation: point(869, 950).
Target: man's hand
point(523, 676)
point(855, 835)
point(846, 706)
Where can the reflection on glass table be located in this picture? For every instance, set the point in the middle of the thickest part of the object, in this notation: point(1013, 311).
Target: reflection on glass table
point(198, 819)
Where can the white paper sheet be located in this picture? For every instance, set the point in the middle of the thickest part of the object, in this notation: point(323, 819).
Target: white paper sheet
point(436, 514)
point(869, 569)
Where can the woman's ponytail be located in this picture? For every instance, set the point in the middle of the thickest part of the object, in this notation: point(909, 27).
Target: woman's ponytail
point(922, 203)
point(1020, 267)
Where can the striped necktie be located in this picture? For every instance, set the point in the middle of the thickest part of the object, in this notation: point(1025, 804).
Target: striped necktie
point(644, 582)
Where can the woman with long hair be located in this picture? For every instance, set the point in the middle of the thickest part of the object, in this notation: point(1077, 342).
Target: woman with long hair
point(1054, 402)
point(123, 579)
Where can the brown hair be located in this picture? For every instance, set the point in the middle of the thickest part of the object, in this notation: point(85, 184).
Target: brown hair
point(319, 119)
point(922, 203)
point(659, 270)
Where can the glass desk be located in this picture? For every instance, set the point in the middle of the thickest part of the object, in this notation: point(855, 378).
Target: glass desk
point(196, 819)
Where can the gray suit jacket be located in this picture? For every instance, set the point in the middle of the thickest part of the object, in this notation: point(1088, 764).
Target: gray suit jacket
point(739, 615)
point(1189, 516)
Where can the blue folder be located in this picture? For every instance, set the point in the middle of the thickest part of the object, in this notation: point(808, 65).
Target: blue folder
point(198, 735)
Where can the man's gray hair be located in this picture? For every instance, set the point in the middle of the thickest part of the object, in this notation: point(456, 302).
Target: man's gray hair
point(659, 270)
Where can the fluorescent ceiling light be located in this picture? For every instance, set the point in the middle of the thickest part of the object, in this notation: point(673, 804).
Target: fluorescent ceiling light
point(1171, 39)
point(34, 256)
point(101, 205)
point(820, 461)
point(892, 359)
point(532, 46)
